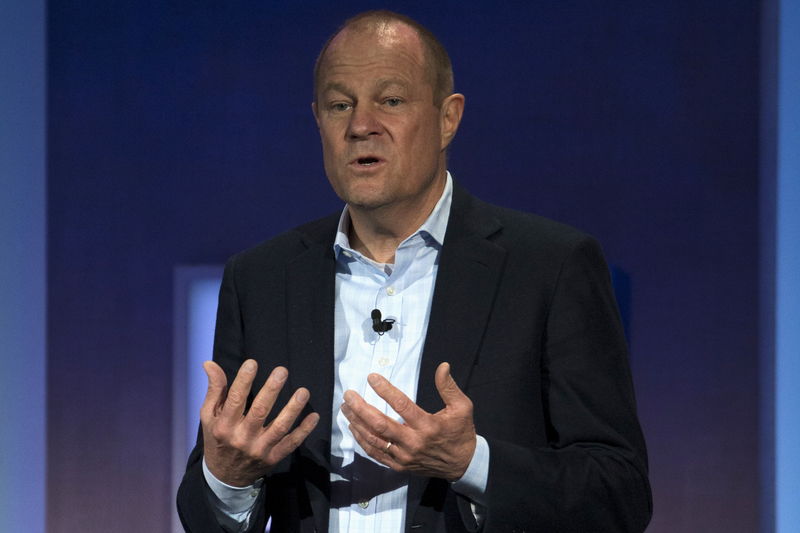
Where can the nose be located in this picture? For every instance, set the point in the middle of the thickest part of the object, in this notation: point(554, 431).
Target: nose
point(363, 123)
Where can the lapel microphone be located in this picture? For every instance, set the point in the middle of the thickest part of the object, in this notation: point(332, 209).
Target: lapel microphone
point(380, 326)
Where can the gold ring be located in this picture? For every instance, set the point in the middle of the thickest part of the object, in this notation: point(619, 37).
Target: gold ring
point(388, 445)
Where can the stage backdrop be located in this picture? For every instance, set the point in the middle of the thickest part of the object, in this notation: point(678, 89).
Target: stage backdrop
point(181, 132)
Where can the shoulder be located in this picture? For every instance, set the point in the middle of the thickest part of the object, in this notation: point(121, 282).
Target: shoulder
point(282, 249)
point(515, 230)
point(532, 228)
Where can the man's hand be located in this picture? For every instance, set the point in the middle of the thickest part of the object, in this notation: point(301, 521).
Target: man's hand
point(238, 448)
point(434, 445)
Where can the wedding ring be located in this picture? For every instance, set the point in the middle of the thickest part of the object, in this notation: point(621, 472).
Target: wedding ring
point(388, 445)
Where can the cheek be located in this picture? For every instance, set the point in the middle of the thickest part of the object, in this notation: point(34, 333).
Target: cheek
point(332, 155)
point(330, 136)
point(426, 141)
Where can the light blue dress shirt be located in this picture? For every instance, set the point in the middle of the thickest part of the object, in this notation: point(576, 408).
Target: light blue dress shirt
point(365, 495)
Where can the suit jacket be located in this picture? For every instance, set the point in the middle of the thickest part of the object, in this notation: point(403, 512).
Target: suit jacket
point(523, 310)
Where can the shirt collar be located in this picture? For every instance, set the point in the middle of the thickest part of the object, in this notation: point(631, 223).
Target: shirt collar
point(433, 228)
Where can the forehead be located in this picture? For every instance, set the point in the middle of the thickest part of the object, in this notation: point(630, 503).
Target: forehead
point(377, 50)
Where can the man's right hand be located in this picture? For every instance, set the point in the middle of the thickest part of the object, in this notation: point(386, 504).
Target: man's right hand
point(238, 448)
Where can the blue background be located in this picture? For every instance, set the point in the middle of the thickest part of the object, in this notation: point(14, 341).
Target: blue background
point(179, 133)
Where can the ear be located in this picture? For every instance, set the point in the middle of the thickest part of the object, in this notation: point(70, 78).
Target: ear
point(450, 117)
point(314, 110)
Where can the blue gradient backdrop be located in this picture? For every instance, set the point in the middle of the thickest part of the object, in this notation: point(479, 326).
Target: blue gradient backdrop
point(181, 132)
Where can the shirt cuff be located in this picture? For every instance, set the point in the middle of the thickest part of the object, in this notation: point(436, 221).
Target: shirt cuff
point(473, 483)
point(232, 500)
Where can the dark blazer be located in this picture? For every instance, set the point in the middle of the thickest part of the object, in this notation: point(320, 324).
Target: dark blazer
point(523, 310)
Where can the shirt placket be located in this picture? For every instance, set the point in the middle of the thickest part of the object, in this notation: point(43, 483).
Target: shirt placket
point(385, 349)
point(384, 361)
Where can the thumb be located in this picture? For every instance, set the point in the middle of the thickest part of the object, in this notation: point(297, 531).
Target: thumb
point(449, 391)
point(215, 394)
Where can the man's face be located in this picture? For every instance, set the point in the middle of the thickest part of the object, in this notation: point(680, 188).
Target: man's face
point(382, 138)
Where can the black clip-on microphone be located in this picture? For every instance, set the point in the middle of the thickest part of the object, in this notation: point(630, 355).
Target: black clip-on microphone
point(380, 326)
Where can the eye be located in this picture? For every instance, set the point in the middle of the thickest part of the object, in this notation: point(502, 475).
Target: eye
point(339, 106)
point(393, 101)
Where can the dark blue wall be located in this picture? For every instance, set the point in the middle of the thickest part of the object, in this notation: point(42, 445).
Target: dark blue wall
point(182, 133)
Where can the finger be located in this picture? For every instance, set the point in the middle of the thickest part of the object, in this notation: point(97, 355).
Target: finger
point(368, 439)
point(379, 452)
point(239, 389)
point(265, 399)
point(451, 394)
point(349, 414)
point(411, 413)
point(290, 442)
point(215, 394)
point(356, 422)
point(373, 420)
point(280, 427)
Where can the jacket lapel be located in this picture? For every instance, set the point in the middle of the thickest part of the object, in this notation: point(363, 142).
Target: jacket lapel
point(470, 269)
point(310, 286)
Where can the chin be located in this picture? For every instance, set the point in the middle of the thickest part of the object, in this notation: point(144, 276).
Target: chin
point(364, 196)
point(365, 203)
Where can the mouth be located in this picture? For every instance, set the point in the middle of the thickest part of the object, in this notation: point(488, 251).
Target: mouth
point(366, 161)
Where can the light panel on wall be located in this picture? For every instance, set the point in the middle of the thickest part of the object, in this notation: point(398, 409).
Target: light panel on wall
point(196, 289)
point(787, 266)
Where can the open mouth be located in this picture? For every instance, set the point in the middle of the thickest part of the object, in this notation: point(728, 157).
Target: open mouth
point(367, 161)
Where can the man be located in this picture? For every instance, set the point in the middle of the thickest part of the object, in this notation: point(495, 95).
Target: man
point(425, 361)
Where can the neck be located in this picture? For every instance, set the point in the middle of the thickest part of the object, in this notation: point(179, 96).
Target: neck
point(378, 232)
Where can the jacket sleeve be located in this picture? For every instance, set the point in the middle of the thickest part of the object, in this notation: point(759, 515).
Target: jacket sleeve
point(194, 506)
point(592, 475)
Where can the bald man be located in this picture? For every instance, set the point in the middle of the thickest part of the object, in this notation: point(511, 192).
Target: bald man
point(421, 361)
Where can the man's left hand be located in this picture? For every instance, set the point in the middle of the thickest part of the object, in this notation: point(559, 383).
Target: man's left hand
point(433, 445)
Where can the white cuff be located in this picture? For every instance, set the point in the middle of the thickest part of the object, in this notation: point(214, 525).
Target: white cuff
point(473, 483)
point(232, 500)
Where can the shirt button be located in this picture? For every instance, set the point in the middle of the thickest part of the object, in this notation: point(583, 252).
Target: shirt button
point(363, 504)
point(383, 361)
point(390, 291)
point(347, 254)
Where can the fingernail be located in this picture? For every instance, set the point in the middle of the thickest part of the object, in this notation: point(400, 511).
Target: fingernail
point(249, 366)
point(348, 396)
point(374, 379)
point(280, 374)
point(301, 395)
